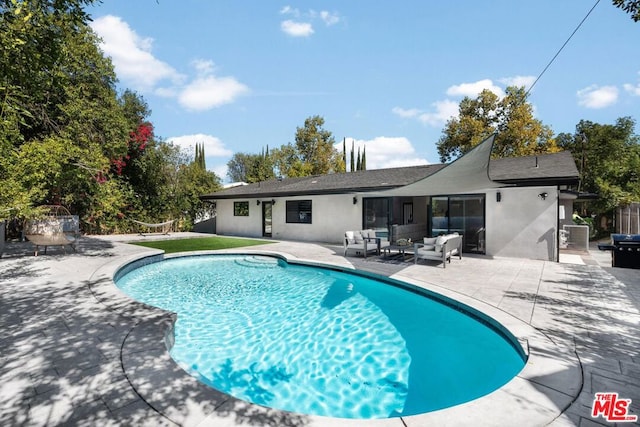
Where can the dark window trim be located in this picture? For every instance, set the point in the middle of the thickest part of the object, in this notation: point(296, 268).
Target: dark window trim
point(240, 208)
point(299, 211)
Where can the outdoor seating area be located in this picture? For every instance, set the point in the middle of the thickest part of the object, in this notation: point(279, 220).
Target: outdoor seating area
point(440, 248)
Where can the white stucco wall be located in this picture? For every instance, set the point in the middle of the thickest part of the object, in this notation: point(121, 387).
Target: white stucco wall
point(522, 224)
point(245, 226)
point(332, 215)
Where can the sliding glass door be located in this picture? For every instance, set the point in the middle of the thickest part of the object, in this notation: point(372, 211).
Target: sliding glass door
point(377, 214)
point(462, 214)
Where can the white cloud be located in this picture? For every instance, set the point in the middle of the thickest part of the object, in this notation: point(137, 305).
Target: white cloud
point(213, 146)
point(597, 97)
point(406, 113)
point(208, 91)
point(518, 81)
point(384, 152)
point(135, 64)
point(329, 18)
point(131, 54)
point(633, 90)
point(444, 110)
point(473, 89)
point(296, 29)
point(203, 66)
point(288, 10)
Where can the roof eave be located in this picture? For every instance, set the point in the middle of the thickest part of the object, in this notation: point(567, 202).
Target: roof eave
point(532, 182)
point(257, 195)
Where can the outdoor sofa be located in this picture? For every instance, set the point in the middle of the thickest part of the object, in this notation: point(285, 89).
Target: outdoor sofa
point(440, 248)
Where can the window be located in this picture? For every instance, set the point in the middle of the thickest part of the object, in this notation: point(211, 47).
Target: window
point(240, 208)
point(376, 214)
point(299, 211)
point(464, 214)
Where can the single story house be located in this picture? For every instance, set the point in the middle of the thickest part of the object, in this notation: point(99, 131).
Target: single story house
point(510, 207)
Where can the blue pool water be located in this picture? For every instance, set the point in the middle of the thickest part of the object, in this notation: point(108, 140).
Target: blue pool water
point(322, 342)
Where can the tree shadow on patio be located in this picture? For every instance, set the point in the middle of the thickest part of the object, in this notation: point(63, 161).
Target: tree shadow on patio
point(591, 312)
point(63, 353)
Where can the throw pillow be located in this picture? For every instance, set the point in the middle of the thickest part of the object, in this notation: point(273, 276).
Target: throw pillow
point(429, 243)
point(441, 240)
point(350, 237)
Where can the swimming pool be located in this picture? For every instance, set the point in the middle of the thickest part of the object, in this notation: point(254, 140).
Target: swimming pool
point(321, 341)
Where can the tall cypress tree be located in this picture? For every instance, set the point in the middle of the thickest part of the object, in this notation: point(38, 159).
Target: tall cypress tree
point(344, 152)
point(352, 157)
point(363, 162)
point(199, 159)
point(358, 162)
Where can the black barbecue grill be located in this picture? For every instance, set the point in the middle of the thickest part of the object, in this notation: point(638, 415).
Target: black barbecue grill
point(625, 250)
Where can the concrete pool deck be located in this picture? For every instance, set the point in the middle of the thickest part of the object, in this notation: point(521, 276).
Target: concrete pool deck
point(75, 351)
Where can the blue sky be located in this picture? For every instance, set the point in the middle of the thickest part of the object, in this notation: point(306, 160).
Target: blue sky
point(241, 75)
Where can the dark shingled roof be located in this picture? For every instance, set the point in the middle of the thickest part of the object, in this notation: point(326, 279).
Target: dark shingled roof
point(558, 168)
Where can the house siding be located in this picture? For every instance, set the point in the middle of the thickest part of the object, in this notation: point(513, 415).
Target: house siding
point(522, 225)
point(331, 215)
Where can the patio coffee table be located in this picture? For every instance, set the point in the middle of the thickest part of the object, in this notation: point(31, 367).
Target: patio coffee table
point(398, 248)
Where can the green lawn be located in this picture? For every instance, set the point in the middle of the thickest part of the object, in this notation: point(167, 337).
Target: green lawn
point(201, 244)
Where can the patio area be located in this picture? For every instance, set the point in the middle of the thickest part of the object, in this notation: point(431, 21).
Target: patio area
point(75, 351)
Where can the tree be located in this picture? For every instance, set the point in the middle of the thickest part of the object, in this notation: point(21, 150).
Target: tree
point(68, 100)
point(287, 162)
point(632, 7)
point(315, 147)
point(200, 157)
point(193, 182)
point(363, 162)
point(34, 70)
point(313, 153)
point(353, 158)
point(250, 168)
point(608, 158)
point(67, 138)
point(519, 133)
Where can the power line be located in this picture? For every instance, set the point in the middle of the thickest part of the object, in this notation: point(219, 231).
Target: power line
point(560, 50)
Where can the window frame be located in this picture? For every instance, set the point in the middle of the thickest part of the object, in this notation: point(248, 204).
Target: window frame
point(241, 208)
point(299, 211)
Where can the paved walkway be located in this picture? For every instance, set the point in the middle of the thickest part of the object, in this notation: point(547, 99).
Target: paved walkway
point(76, 352)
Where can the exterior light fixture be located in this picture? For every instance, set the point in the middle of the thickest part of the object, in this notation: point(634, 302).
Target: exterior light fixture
point(273, 201)
point(258, 202)
point(355, 200)
point(498, 197)
point(543, 195)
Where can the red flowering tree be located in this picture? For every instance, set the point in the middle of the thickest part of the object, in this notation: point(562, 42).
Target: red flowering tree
point(138, 141)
